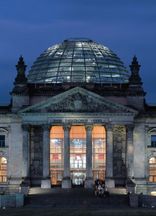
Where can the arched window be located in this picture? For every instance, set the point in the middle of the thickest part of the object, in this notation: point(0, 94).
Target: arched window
point(56, 154)
point(3, 169)
point(152, 169)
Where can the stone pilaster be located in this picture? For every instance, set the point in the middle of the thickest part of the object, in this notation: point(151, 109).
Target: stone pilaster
point(66, 182)
point(26, 154)
point(109, 157)
point(130, 152)
point(89, 172)
point(45, 183)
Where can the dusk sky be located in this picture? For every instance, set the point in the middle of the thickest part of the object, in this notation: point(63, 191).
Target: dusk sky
point(28, 27)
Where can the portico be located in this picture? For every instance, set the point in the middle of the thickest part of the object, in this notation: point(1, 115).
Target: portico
point(76, 148)
point(75, 153)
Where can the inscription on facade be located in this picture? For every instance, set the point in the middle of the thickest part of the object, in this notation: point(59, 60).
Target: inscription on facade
point(76, 121)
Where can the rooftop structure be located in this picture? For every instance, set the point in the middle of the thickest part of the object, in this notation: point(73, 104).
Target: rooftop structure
point(78, 60)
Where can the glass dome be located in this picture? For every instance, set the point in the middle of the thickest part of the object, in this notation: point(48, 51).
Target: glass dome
point(78, 61)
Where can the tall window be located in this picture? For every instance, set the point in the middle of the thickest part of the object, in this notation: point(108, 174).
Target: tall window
point(78, 154)
point(2, 141)
point(153, 140)
point(99, 152)
point(3, 169)
point(56, 154)
point(152, 169)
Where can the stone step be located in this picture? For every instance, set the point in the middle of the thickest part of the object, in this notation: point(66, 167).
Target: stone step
point(39, 190)
point(118, 190)
point(71, 198)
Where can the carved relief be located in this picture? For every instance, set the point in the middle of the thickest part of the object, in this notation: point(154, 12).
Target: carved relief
point(79, 102)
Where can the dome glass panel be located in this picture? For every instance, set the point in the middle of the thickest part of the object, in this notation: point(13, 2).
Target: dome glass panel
point(78, 61)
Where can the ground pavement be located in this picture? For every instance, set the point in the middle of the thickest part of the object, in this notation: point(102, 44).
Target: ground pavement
point(74, 202)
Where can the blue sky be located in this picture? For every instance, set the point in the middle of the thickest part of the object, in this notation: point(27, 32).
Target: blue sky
point(28, 27)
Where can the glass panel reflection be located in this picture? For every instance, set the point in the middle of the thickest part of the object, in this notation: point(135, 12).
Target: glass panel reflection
point(80, 52)
point(152, 169)
point(3, 170)
point(99, 152)
point(78, 154)
point(56, 154)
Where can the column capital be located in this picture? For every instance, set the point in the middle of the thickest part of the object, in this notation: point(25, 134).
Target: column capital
point(109, 127)
point(66, 127)
point(89, 127)
point(130, 127)
point(46, 127)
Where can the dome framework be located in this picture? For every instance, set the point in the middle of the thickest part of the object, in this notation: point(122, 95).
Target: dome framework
point(78, 61)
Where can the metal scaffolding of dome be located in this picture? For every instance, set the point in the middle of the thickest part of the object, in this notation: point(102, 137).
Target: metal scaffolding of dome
point(78, 60)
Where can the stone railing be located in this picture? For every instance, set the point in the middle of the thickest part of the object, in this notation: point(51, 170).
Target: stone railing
point(11, 200)
point(130, 186)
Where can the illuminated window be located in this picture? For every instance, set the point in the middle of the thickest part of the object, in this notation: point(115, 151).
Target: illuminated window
point(153, 140)
point(99, 152)
point(78, 154)
point(56, 154)
point(3, 169)
point(2, 140)
point(152, 169)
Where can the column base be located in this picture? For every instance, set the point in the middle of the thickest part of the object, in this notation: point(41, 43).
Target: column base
point(45, 183)
point(25, 186)
point(16, 180)
point(141, 185)
point(109, 183)
point(89, 183)
point(66, 182)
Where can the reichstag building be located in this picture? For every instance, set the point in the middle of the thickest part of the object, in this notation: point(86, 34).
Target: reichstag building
point(79, 115)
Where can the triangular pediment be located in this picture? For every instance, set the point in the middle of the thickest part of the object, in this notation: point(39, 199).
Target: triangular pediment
point(78, 100)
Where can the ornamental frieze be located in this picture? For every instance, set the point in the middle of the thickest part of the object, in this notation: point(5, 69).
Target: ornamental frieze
point(78, 100)
point(79, 103)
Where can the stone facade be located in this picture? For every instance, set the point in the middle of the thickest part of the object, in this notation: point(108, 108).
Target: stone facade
point(121, 109)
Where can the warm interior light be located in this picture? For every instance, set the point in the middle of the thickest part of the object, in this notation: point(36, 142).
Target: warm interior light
point(153, 193)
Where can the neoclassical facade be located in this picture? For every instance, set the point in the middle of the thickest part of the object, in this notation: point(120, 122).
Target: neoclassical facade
point(77, 116)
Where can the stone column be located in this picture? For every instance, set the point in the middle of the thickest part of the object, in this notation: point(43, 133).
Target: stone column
point(45, 183)
point(26, 154)
point(89, 172)
point(109, 181)
point(66, 182)
point(130, 152)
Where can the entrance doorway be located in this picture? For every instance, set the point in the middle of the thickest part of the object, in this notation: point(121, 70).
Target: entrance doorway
point(99, 152)
point(78, 178)
point(78, 155)
point(56, 154)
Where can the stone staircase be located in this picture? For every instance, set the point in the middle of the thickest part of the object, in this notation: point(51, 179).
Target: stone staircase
point(73, 198)
point(39, 190)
